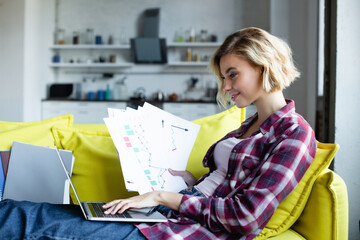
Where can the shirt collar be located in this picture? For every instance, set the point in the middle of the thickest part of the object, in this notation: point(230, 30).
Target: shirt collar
point(270, 121)
point(289, 108)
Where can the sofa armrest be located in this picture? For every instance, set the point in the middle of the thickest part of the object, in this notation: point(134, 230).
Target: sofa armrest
point(325, 215)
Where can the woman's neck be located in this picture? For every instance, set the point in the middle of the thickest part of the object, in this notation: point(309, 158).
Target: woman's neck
point(268, 104)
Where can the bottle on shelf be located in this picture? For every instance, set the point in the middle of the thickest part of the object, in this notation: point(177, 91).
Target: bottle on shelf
point(110, 40)
point(188, 55)
point(120, 90)
point(60, 36)
point(192, 37)
point(123, 39)
point(75, 38)
point(89, 36)
point(108, 93)
point(179, 35)
point(203, 35)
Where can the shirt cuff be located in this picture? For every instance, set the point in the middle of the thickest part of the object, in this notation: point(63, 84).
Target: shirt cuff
point(190, 205)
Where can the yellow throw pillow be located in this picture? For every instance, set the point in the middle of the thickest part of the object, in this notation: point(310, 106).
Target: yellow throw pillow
point(291, 208)
point(213, 128)
point(97, 174)
point(326, 215)
point(37, 133)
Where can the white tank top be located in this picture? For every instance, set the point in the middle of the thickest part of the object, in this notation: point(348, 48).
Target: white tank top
point(222, 153)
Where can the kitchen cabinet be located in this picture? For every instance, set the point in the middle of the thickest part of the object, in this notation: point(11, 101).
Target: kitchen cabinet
point(191, 111)
point(83, 111)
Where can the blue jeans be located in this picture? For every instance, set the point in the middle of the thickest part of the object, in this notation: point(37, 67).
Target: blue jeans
point(27, 220)
point(188, 191)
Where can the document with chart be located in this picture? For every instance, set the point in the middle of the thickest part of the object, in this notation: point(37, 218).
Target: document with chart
point(149, 141)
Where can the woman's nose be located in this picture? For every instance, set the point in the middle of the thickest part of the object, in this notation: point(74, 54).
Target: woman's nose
point(227, 84)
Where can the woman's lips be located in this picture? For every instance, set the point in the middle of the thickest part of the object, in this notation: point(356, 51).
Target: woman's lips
point(234, 96)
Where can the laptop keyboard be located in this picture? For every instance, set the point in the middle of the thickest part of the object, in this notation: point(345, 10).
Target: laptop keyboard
point(97, 207)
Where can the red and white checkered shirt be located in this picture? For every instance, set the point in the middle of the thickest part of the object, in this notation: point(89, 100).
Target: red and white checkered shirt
point(263, 170)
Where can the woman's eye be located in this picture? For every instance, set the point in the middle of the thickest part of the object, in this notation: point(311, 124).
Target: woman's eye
point(232, 75)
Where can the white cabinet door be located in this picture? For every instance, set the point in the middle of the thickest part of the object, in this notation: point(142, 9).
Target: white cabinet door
point(84, 112)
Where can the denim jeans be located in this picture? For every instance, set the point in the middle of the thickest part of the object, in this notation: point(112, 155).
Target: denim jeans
point(27, 220)
point(188, 191)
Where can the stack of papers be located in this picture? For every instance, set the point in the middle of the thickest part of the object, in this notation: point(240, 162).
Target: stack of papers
point(149, 141)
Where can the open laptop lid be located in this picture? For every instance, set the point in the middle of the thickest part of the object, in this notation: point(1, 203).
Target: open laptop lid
point(137, 215)
point(68, 177)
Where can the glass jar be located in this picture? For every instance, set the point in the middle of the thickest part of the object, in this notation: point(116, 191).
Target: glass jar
point(192, 35)
point(203, 36)
point(89, 36)
point(60, 36)
point(75, 37)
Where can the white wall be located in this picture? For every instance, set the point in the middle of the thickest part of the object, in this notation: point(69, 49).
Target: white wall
point(347, 133)
point(11, 59)
point(296, 22)
point(39, 26)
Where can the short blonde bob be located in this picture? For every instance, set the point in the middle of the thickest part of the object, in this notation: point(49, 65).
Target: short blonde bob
point(259, 48)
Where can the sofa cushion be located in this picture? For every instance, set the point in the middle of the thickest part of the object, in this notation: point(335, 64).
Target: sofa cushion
point(290, 209)
point(213, 128)
point(288, 235)
point(96, 174)
point(326, 215)
point(37, 133)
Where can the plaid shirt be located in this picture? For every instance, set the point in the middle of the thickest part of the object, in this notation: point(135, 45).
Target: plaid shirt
point(262, 171)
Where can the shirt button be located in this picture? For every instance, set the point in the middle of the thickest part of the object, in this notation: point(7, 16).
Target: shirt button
point(229, 175)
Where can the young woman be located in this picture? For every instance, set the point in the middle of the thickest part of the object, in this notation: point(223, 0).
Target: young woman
point(252, 169)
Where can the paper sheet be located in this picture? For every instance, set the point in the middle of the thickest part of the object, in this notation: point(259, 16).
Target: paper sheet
point(149, 141)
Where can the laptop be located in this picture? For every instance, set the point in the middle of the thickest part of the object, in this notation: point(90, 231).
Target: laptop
point(93, 210)
point(42, 178)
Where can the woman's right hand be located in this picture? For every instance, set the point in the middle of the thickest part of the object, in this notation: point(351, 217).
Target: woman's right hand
point(189, 179)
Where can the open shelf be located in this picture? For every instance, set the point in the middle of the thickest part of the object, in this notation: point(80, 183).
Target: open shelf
point(188, 64)
point(89, 46)
point(193, 44)
point(90, 65)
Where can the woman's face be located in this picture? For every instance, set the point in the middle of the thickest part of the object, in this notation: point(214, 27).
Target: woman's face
point(242, 81)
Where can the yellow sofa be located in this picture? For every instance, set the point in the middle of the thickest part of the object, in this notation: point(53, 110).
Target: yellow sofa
point(316, 209)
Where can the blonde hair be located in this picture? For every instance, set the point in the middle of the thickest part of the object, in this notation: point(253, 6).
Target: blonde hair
point(259, 48)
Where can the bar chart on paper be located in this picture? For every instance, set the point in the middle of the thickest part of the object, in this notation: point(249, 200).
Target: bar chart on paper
point(149, 141)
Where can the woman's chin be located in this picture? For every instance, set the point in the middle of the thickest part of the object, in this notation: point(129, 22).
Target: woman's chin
point(241, 104)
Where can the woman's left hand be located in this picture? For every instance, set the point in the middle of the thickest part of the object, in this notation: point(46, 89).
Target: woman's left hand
point(149, 199)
